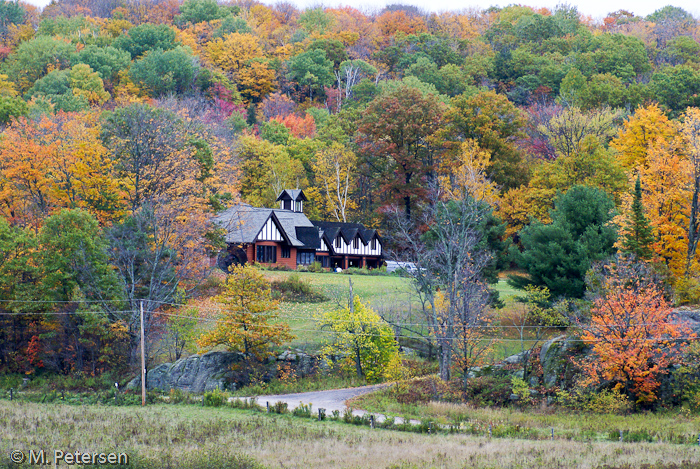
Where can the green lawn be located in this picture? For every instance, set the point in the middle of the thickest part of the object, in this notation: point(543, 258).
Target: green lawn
point(389, 295)
point(381, 292)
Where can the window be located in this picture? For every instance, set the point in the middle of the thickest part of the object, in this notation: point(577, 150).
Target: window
point(356, 243)
point(325, 261)
point(374, 244)
point(287, 204)
point(305, 258)
point(286, 254)
point(267, 254)
point(337, 241)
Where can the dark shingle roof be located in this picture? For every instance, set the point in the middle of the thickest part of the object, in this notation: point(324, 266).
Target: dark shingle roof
point(294, 194)
point(243, 223)
point(348, 231)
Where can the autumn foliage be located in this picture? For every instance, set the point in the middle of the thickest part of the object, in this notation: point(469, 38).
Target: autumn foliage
point(632, 332)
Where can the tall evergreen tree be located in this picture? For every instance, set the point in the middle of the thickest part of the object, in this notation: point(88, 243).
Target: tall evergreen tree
point(638, 234)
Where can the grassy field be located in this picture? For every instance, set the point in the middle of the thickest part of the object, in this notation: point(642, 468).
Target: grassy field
point(387, 294)
point(163, 437)
point(675, 426)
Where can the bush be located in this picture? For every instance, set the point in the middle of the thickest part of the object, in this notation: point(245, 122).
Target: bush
point(302, 410)
point(279, 408)
point(295, 289)
point(484, 391)
point(606, 402)
point(215, 398)
point(315, 267)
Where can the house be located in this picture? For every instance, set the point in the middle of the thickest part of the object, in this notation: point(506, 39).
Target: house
point(286, 237)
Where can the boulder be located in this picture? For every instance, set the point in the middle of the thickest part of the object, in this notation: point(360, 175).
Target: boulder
point(553, 357)
point(194, 374)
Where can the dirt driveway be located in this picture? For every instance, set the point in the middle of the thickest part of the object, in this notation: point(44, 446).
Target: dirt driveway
point(329, 400)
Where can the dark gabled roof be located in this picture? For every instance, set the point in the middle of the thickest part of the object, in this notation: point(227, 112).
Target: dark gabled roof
point(309, 235)
point(243, 223)
point(293, 194)
point(331, 229)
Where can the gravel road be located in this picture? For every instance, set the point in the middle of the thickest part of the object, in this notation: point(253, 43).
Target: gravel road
point(331, 400)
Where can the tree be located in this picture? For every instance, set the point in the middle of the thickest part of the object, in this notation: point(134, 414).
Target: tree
point(197, 11)
point(639, 132)
point(146, 261)
point(165, 72)
point(691, 132)
point(567, 131)
point(362, 337)
point(311, 69)
point(494, 123)
point(149, 147)
point(10, 13)
point(638, 235)
point(632, 334)
point(146, 37)
point(88, 84)
point(396, 133)
point(77, 275)
point(247, 323)
point(449, 258)
point(334, 167)
point(106, 61)
point(559, 254)
point(56, 162)
point(35, 58)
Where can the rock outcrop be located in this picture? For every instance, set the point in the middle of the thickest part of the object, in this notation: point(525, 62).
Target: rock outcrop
point(193, 374)
point(216, 370)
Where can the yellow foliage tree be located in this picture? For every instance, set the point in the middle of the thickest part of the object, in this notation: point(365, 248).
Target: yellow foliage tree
point(247, 321)
point(639, 132)
point(467, 176)
point(335, 173)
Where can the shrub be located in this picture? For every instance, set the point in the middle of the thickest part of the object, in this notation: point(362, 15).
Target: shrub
point(607, 402)
point(302, 410)
point(279, 407)
point(294, 288)
point(215, 398)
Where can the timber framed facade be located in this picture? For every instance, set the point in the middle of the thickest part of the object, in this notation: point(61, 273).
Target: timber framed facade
point(286, 237)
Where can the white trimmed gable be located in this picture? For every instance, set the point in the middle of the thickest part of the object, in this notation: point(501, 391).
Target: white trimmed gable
point(270, 232)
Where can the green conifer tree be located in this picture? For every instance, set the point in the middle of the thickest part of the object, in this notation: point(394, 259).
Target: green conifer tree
point(638, 235)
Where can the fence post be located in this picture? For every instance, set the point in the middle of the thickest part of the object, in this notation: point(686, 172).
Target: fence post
point(490, 431)
point(267, 404)
point(320, 412)
point(430, 428)
point(371, 421)
point(11, 391)
point(621, 438)
point(552, 433)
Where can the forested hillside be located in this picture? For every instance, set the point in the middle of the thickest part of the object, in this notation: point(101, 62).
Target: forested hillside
point(126, 124)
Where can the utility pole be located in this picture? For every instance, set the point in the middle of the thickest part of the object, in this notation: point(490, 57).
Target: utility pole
point(143, 361)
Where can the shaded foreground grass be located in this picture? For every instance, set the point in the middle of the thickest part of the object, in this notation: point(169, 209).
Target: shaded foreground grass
point(672, 426)
point(193, 437)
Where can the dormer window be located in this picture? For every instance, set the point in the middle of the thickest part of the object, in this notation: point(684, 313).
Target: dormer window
point(297, 206)
point(338, 241)
point(356, 243)
point(374, 244)
point(287, 204)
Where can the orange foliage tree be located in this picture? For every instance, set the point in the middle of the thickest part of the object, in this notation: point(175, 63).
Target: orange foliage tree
point(57, 162)
point(632, 333)
point(301, 127)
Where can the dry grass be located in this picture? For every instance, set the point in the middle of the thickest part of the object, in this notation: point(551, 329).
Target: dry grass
point(175, 432)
